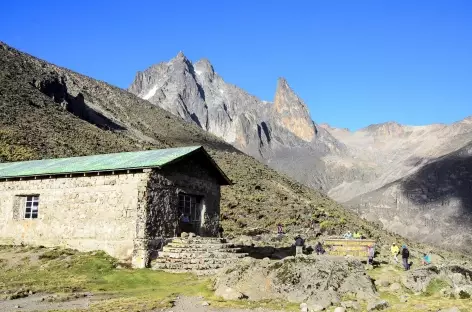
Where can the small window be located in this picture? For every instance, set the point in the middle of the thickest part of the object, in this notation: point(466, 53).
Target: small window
point(31, 207)
point(188, 205)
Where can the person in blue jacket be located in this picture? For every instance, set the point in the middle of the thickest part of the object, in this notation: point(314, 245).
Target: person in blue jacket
point(426, 259)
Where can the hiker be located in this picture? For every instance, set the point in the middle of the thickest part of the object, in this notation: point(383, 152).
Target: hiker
point(405, 256)
point(357, 235)
point(319, 249)
point(280, 230)
point(348, 235)
point(299, 243)
point(370, 254)
point(426, 259)
point(395, 250)
point(220, 231)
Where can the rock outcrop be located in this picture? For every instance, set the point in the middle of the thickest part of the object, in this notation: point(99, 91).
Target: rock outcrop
point(292, 113)
point(317, 281)
point(450, 280)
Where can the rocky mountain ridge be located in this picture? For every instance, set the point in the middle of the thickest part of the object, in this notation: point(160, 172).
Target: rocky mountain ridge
point(275, 133)
point(342, 163)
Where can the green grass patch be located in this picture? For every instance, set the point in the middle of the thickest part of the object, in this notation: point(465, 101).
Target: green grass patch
point(435, 286)
point(56, 253)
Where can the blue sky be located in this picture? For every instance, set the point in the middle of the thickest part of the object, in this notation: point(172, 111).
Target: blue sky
point(354, 63)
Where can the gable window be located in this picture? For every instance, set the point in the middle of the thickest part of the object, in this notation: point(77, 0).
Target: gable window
point(31, 206)
point(189, 206)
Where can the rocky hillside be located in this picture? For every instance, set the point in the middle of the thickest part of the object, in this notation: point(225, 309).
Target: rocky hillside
point(392, 151)
point(433, 204)
point(422, 179)
point(341, 163)
point(48, 111)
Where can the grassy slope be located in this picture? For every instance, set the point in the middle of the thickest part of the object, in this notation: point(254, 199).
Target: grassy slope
point(33, 126)
point(63, 271)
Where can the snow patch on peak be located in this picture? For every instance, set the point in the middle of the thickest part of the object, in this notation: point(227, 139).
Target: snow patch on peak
point(150, 93)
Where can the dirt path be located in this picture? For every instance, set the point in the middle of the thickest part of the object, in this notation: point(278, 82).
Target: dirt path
point(194, 304)
point(34, 303)
point(182, 304)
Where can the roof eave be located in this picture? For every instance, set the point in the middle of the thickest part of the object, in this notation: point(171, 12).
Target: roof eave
point(77, 172)
point(224, 180)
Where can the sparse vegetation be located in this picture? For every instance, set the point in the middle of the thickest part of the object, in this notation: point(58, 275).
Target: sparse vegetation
point(435, 286)
point(67, 272)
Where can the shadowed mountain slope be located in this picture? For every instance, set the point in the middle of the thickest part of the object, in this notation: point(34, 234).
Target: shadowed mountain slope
point(433, 204)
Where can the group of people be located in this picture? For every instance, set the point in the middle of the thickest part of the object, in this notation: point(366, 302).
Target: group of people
point(395, 250)
point(356, 235)
point(300, 244)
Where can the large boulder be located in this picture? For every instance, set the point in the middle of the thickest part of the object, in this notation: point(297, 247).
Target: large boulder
point(418, 280)
point(318, 281)
point(454, 277)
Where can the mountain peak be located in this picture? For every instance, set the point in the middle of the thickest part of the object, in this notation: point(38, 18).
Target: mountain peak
point(204, 66)
point(282, 82)
point(385, 129)
point(181, 55)
point(294, 113)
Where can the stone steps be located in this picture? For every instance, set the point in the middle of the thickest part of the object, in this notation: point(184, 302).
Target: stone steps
point(191, 249)
point(221, 255)
point(201, 255)
point(201, 245)
point(200, 240)
point(187, 267)
point(197, 260)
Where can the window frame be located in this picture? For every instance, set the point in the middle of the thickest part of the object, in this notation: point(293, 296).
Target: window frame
point(189, 204)
point(31, 203)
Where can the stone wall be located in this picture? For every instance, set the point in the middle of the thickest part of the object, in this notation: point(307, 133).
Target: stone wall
point(188, 176)
point(96, 212)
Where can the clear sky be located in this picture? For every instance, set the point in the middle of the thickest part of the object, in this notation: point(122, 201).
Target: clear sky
point(354, 62)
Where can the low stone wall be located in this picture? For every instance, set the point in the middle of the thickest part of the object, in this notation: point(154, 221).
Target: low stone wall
point(94, 212)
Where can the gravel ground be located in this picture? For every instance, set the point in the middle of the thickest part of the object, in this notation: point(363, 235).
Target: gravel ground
point(182, 304)
point(194, 304)
point(34, 303)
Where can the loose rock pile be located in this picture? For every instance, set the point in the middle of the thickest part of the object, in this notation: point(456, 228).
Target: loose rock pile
point(320, 282)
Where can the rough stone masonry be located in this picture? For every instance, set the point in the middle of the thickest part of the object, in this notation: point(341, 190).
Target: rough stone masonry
point(127, 214)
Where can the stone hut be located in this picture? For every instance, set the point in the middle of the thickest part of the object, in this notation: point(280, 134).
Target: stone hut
point(126, 204)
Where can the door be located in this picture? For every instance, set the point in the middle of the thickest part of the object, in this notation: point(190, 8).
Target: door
point(189, 205)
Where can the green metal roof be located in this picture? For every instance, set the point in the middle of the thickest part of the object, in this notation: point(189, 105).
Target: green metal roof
point(97, 163)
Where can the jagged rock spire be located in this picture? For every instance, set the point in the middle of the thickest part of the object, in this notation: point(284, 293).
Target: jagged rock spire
point(294, 113)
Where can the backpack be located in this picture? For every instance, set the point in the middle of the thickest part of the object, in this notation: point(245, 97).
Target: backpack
point(405, 253)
